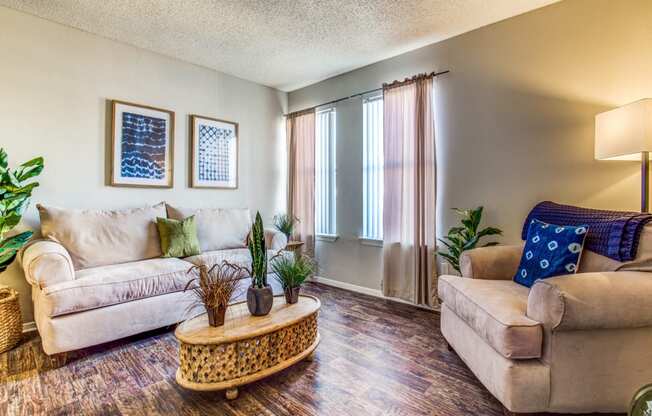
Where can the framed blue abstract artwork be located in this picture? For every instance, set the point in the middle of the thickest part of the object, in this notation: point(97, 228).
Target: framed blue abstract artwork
point(143, 145)
point(214, 150)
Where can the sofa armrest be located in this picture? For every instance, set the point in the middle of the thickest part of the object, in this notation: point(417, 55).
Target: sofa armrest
point(274, 239)
point(585, 301)
point(46, 262)
point(491, 263)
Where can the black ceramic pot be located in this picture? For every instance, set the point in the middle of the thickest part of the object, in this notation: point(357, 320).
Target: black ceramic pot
point(260, 300)
point(291, 294)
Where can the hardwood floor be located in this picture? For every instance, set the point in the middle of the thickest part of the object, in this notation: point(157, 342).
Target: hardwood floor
point(376, 358)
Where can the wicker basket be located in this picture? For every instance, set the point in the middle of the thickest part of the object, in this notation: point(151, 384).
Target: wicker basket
point(11, 326)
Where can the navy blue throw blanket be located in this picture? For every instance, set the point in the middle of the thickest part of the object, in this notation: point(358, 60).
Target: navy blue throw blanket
point(613, 234)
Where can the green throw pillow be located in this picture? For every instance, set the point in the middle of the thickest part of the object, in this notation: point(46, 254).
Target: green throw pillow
point(178, 238)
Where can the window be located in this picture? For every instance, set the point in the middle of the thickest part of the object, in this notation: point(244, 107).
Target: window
point(372, 165)
point(325, 172)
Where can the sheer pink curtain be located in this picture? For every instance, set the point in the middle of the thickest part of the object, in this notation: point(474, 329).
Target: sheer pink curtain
point(300, 130)
point(409, 193)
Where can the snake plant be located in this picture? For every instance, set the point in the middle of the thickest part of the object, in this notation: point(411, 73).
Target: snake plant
point(14, 198)
point(258, 253)
point(465, 237)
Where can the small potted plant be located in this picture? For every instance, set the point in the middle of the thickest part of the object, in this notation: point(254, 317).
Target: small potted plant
point(291, 272)
point(285, 223)
point(214, 287)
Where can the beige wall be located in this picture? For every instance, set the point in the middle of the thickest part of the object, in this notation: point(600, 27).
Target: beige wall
point(514, 119)
point(54, 83)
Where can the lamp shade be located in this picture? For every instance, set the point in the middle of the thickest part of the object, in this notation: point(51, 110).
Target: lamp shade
point(625, 132)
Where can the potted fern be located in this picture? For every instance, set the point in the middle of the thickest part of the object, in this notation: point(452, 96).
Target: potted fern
point(465, 237)
point(15, 192)
point(291, 272)
point(259, 295)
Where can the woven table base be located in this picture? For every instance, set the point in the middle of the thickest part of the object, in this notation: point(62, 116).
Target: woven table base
point(246, 348)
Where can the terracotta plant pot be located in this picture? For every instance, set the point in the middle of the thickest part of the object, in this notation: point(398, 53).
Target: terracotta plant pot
point(291, 294)
point(260, 300)
point(216, 315)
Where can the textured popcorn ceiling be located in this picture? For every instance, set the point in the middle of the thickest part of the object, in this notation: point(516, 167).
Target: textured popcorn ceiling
point(284, 44)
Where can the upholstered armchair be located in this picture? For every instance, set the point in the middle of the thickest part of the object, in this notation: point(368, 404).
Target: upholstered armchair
point(574, 343)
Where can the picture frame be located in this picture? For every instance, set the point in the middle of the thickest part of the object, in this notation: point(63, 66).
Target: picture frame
point(142, 146)
point(214, 153)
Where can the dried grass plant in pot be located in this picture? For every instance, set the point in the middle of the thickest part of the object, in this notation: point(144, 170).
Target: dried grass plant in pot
point(214, 287)
point(291, 271)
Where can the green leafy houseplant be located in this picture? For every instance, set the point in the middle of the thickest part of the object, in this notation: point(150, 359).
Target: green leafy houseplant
point(291, 272)
point(14, 198)
point(465, 237)
point(285, 223)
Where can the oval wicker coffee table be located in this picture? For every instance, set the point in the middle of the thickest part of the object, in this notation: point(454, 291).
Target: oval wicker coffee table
point(246, 348)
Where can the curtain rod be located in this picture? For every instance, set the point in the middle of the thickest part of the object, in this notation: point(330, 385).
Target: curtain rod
point(434, 74)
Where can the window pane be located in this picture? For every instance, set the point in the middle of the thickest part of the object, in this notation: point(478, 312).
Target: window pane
point(372, 165)
point(325, 172)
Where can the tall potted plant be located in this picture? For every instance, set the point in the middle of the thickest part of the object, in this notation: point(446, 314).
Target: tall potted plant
point(15, 192)
point(259, 295)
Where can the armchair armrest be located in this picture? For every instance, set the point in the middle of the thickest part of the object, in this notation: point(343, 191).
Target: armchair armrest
point(46, 262)
point(491, 263)
point(274, 239)
point(584, 301)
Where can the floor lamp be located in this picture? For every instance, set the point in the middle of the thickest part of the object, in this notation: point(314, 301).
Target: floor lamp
point(625, 133)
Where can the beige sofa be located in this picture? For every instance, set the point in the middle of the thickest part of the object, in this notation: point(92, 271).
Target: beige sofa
point(572, 344)
point(97, 276)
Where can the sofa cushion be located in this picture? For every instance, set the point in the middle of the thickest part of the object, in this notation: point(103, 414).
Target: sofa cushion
point(110, 285)
point(217, 228)
point(102, 237)
point(238, 256)
point(496, 310)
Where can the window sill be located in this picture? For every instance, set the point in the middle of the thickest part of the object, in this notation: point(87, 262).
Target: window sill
point(329, 238)
point(370, 242)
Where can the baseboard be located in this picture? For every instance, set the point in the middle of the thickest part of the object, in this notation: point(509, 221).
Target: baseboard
point(348, 286)
point(29, 327)
point(361, 289)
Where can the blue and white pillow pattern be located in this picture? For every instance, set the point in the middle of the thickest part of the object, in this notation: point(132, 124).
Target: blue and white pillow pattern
point(550, 250)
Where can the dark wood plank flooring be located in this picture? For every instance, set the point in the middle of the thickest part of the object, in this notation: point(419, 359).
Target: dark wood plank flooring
point(376, 358)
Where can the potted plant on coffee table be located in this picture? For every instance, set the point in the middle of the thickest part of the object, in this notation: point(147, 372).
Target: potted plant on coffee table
point(214, 287)
point(291, 272)
point(259, 295)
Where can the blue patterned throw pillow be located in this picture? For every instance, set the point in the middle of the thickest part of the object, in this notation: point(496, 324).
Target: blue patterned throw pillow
point(550, 250)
